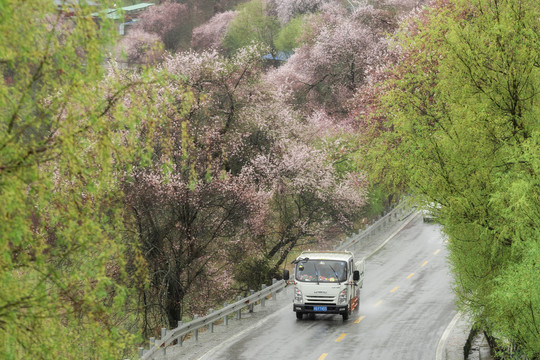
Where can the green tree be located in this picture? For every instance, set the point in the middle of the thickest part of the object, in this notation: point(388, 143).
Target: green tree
point(62, 139)
point(287, 39)
point(251, 25)
point(463, 131)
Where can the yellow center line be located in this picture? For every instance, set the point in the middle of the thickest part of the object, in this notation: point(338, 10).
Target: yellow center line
point(323, 356)
point(340, 337)
point(360, 319)
point(436, 252)
point(394, 289)
point(424, 263)
point(410, 276)
point(378, 303)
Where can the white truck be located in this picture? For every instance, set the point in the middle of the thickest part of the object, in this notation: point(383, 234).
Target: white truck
point(326, 282)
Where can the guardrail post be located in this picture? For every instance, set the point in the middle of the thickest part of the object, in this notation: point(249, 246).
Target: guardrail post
point(251, 304)
point(152, 342)
point(163, 334)
point(263, 300)
point(274, 294)
point(141, 352)
point(226, 316)
point(211, 326)
point(239, 312)
point(196, 331)
point(180, 340)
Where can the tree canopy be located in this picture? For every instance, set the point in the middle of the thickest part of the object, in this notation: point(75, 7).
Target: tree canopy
point(120, 187)
point(61, 267)
point(252, 24)
point(462, 130)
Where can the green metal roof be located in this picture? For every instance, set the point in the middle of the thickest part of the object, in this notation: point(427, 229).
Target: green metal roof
point(111, 14)
point(117, 15)
point(137, 6)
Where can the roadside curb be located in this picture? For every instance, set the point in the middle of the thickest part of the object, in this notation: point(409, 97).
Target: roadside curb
point(452, 343)
point(441, 347)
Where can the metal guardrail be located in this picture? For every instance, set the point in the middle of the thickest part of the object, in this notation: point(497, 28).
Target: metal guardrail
point(158, 347)
point(401, 211)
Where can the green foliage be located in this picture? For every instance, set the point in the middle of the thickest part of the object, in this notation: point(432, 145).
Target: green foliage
point(464, 112)
point(63, 291)
point(250, 273)
point(514, 301)
point(251, 25)
point(376, 201)
point(287, 39)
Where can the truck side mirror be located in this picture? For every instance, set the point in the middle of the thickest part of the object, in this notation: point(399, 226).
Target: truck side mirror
point(285, 274)
point(356, 275)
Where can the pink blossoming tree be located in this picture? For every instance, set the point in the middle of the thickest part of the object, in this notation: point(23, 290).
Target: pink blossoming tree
point(233, 175)
point(164, 20)
point(288, 9)
point(209, 35)
point(190, 210)
point(335, 59)
point(140, 47)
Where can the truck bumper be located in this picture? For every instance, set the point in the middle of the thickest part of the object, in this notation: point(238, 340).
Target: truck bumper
point(330, 309)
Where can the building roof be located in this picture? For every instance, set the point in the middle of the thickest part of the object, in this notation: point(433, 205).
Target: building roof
point(117, 15)
point(280, 56)
point(137, 6)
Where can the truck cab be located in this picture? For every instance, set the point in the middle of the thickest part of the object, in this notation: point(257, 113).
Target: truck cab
point(326, 282)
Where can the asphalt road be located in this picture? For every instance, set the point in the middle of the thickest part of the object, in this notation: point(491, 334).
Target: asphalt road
point(405, 306)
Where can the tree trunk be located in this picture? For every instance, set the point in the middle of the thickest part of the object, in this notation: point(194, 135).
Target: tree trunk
point(173, 304)
point(283, 256)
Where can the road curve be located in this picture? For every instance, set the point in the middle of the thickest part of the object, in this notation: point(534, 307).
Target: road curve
point(405, 306)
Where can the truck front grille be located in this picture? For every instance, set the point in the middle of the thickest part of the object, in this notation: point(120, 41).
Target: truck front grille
point(323, 300)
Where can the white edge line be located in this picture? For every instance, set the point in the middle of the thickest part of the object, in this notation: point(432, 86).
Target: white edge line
point(241, 333)
point(442, 342)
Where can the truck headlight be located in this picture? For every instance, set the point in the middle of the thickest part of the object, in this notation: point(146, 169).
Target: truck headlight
point(342, 298)
point(298, 296)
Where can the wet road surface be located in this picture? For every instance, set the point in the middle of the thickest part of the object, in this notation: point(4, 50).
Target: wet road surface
point(405, 305)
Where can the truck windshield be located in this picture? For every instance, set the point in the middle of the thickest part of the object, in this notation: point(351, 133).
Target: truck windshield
point(321, 271)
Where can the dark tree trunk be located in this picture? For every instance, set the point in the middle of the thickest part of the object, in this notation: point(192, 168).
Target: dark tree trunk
point(173, 304)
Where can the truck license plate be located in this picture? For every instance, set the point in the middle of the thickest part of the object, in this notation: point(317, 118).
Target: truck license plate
point(319, 308)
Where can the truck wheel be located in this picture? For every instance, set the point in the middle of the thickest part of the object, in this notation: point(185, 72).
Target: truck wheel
point(299, 315)
point(347, 313)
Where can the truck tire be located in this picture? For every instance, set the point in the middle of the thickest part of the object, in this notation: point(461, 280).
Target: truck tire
point(347, 312)
point(299, 315)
